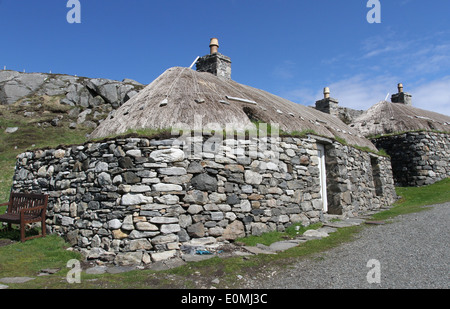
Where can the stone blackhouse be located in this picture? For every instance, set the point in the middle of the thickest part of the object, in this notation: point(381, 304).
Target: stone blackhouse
point(418, 141)
point(136, 200)
point(132, 200)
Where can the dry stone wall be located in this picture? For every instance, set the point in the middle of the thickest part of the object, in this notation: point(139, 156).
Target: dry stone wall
point(136, 200)
point(418, 158)
point(357, 181)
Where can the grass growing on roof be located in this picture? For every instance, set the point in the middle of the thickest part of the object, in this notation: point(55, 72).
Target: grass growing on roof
point(405, 132)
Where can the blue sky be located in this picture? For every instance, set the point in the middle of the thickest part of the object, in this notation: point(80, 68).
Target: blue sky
point(292, 48)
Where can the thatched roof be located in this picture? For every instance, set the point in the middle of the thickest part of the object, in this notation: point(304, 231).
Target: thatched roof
point(181, 96)
point(386, 118)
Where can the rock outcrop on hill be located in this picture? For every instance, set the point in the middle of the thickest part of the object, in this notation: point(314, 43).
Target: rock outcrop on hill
point(86, 95)
point(74, 90)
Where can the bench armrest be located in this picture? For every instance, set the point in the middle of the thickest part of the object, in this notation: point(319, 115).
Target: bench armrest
point(4, 204)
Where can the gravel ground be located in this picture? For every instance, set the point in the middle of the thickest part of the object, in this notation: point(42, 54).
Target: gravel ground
point(413, 253)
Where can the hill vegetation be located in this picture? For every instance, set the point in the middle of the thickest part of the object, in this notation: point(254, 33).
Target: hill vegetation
point(32, 133)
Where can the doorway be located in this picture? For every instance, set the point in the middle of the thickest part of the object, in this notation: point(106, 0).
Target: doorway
point(376, 175)
point(323, 176)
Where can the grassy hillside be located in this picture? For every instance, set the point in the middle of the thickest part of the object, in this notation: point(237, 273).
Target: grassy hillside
point(414, 198)
point(34, 132)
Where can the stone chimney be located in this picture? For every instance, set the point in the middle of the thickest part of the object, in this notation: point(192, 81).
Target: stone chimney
point(215, 63)
point(327, 104)
point(401, 97)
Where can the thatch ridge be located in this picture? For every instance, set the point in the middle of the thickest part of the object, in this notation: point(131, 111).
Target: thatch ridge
point(387, 118)
point(184, 98)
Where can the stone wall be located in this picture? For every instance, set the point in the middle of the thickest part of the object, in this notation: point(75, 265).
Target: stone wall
point(135, 200)
point(418, 158)
point(357, 181)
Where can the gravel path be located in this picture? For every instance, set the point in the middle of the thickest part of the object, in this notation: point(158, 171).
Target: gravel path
point(413, 252)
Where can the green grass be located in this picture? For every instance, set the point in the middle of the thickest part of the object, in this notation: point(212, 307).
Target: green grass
point(404, 132)
point(271, 237)
point(28, 139)
point(28, 258)
point(147, 133)
point(414, 198)
point(31, 135)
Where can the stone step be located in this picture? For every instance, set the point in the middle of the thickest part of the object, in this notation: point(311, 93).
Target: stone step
point(315, 233)
point(327, 229)
point(257, 250)
point(15, 280)
point(280, 246)
point(338, 224)
point(375, 222)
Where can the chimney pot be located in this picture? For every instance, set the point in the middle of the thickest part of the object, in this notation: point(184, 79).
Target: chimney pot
point(215, 63)
point(214, 46)
point(326, 93)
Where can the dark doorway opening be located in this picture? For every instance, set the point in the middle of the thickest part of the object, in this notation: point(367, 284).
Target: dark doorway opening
point(376, 175)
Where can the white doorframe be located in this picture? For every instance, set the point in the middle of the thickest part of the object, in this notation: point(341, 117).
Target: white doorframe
point(323, 176)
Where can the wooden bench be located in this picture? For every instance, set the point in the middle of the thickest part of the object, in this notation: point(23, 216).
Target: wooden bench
point(23, 209)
